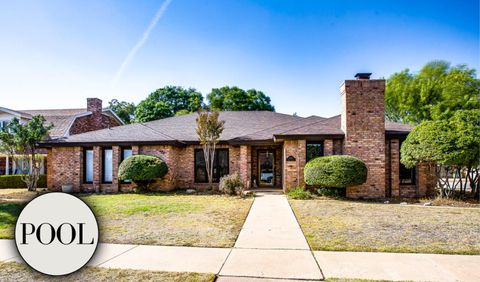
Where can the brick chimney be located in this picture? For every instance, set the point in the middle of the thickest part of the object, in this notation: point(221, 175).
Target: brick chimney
point(363, 121)
point(94, 105)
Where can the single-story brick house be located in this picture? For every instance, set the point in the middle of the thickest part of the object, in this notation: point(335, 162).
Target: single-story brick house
point(65, 122)
point(267, 149)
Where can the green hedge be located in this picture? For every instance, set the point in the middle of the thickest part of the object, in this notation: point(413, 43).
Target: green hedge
point(15, 181)
point(142, 169)
point(335, 171)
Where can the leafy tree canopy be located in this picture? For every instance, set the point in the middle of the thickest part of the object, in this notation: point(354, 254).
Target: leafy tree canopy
point(452, 142)
point(436, 92)
point(168, 101)
point(124, 110)
point(236, 99)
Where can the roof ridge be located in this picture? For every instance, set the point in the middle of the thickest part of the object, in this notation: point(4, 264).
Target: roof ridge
point(166, 135)
point(308, 124)
point(268, 128)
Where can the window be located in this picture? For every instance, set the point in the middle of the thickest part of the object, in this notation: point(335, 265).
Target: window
point(126, 152)
point(220, 165)
point(88, 166)
point(107, 163)
point(407, 175)
point(314, 149)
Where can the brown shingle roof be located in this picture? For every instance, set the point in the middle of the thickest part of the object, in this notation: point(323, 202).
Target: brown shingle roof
point(60, 118)
point(240, 127)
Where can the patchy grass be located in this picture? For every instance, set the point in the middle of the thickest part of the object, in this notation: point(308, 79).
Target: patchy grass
point(354, 280)
point(13, 271)
point(18, 195)
point(169, 219)
point(8, 216)
point(334, 225)
point(157, 219)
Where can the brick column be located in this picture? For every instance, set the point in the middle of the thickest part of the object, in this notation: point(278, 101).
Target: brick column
point(246, 165)
point(426, 180)
point(135, 150)
point(328, 147)
point(294, 159)
point(97, 168)
point(395, 167)
point(116, 157)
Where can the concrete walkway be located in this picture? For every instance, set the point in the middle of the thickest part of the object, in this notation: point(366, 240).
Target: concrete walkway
point(271, 246)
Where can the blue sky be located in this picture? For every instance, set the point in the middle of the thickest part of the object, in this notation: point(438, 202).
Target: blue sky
point(56, 53)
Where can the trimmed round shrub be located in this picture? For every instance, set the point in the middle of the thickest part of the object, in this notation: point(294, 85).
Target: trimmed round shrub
point(142, 170)
point(231, 184)
point(335, 171)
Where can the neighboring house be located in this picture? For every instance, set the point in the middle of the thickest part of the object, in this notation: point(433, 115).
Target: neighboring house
point(267, 149)
point(66, 122)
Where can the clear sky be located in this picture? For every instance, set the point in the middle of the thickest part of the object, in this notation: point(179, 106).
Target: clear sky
point(56, 53)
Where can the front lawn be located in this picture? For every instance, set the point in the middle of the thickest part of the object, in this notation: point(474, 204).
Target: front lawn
point(12, 271)
point(169, 219)
point(157, 219)
point(335, 225)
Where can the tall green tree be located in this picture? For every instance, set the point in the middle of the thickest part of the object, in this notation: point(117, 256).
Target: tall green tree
point(237, 99)
point(20, 141)
point(168, 101)
point(209, 128)
point(452, 146)
point(435, 92)
point(124, 110)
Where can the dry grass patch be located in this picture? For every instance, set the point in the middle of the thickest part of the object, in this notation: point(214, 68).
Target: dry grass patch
point(154, 219)
point(18, 195)
point(169, 219)
point(13, 271)
point(334, 225)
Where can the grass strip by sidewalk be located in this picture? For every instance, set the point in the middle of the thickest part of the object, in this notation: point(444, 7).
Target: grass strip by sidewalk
point(13, 271)
point(157, 218)
point(336, 225)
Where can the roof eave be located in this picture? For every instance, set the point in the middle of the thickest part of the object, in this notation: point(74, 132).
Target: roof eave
point(57, 143)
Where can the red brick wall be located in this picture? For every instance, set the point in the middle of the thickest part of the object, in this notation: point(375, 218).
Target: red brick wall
point(293, 170)
point(92, 122)
point(64, 168)
point(363, 121)
point(328, 147)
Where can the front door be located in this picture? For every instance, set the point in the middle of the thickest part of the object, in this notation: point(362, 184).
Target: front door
point(266, 167)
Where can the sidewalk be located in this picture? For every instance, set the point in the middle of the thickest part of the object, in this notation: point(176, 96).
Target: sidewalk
point(271, 246)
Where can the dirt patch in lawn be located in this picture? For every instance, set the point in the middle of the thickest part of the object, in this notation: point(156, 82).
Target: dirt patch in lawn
point(13, 271)
point(179, 220)
point(335, 225)
point(19, 195)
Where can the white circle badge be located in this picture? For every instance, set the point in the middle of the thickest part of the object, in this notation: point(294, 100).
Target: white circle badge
point(56, 234)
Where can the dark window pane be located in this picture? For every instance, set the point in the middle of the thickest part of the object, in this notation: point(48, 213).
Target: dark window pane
point(314, 150)
point(407, 175)
point(220, 165)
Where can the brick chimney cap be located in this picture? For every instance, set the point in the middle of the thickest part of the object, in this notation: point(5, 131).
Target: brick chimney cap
point(363, 75)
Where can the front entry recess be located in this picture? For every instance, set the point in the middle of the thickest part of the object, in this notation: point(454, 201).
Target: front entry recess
point(266, 168)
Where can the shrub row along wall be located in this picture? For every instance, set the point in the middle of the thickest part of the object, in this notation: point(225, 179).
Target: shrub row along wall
point(15, 181)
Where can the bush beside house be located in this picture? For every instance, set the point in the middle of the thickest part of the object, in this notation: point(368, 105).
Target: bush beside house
point(15, 181)
point(335, 172)
point(142, 170)
point(231, 184)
